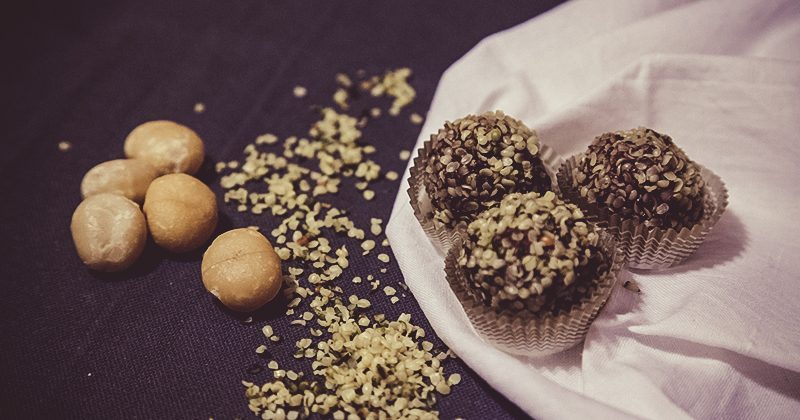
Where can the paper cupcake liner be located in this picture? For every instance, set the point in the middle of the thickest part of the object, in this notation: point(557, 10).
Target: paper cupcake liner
point(440, 235)
point(526, 334)
point(651, 248)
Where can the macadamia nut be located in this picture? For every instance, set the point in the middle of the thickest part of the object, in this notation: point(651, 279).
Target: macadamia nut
point(181, 212)
point(170, 147)
point(126, 177)
point(109, 232)
point(242, 270)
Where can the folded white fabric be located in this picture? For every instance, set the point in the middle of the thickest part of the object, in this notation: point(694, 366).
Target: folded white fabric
point(716, 337)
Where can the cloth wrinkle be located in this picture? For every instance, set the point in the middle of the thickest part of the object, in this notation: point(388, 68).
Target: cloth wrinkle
point(713, 337)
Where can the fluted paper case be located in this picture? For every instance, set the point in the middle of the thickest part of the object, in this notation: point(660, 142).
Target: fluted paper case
point(526, 334)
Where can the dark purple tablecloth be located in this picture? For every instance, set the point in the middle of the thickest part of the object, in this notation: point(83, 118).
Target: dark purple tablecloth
point(151, 343)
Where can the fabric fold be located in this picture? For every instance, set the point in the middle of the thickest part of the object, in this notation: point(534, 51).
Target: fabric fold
point(714, 337)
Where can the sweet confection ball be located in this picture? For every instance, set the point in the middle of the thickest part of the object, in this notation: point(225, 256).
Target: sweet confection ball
point(641, 174)
point(532, 253)
point(475, 161)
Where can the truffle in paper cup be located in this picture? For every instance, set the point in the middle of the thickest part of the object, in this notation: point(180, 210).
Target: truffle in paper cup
point(469, 165)
point(661, 211)
point(532, 301)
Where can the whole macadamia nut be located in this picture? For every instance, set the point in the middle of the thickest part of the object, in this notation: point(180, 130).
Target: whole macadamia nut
point(181, 212)
point(170, 147)
point(126, 177)
point(109, 232)
point(242, 270)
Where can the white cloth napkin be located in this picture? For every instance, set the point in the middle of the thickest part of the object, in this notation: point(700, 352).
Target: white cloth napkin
point(718, 336)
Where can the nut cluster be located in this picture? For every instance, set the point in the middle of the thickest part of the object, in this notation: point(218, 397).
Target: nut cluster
point(532, 253)
point(181, 211)
point(641, 174)
point(476, 160)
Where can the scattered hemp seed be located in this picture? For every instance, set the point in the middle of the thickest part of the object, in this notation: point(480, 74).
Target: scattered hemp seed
point(383, 258)
point(267, 330)
point(632, 286)
point(343, 80)
point(261, 349)
point(389, 291)
point(356, 377)
point(340, 97)
point(405, 154)
point(64, 146)
point(361, 364)
point(395, 84)
point(367, 246)
point(267, 139)
point(416, 118)
point(199, 108)
point(375, 226)
point(369, 195)
point(299, 91)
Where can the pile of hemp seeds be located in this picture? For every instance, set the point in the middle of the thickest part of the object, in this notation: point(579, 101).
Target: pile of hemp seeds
point(363, 365)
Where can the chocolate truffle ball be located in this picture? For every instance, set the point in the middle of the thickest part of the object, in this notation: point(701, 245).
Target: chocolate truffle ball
point(532, 253)
point(641, 174)
point(476, 160)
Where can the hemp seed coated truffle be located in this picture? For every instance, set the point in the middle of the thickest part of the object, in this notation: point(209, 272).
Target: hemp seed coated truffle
point(476, 160)
point(641, 174)
point(532, 253)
